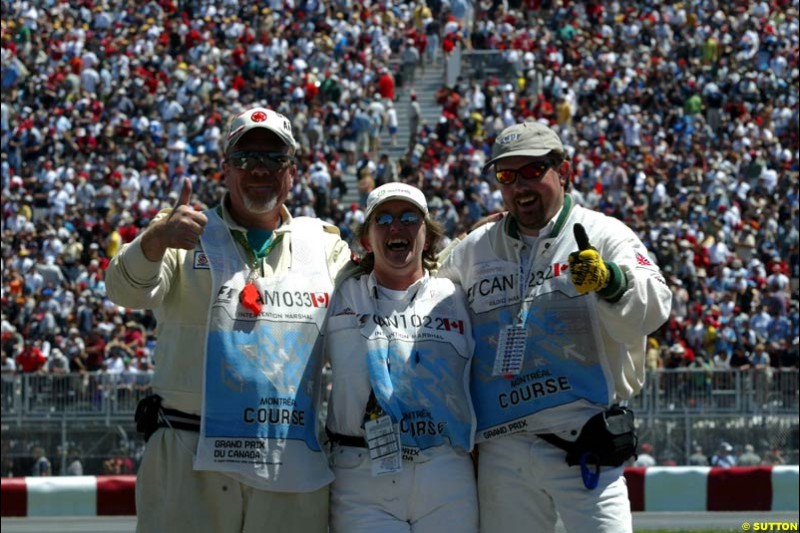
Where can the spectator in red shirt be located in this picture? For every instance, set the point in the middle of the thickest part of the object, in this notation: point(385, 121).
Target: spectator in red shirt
point(449, 43)
point(95, 351)
point(386, 85)
point(31, 359)
point(132, 335)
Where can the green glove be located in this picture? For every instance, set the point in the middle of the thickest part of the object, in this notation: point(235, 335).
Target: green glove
point(587, 269)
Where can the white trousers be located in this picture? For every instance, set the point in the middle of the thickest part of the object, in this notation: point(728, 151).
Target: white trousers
point(523, 482)
point(432, 497)
point(171, 496)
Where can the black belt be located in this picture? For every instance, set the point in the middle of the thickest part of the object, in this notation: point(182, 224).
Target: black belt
point(172, 418)
point(346, 440)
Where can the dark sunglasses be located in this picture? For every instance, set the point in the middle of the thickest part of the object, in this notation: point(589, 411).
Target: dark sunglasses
point(407, 218)
point(272, 161)
point(534, 170)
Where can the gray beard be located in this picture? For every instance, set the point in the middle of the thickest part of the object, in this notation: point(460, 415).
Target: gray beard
point(259, 207)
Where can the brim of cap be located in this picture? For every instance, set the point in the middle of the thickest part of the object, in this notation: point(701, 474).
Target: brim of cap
point(406, 199)
point(528, 153)
point(288, 141)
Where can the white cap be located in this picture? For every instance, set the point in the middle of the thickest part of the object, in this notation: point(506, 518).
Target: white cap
point(259, 117)
point(677, 348)
point(396, 191)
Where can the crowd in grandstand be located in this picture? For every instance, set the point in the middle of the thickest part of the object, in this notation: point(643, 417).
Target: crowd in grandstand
point(679, 118)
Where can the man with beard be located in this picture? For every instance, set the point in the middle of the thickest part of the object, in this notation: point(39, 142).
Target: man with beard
point(562, 299)
point(239, 292)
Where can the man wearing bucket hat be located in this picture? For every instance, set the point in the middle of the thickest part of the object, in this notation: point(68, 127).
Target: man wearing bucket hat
point(240, 292)
point(562, 299)
point(400, 417)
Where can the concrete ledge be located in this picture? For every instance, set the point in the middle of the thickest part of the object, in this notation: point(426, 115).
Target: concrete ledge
point(691, 488)
point(68, 496)
point(654, 489)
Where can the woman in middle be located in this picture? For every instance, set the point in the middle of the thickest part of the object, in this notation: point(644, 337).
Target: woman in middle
point(400, 417)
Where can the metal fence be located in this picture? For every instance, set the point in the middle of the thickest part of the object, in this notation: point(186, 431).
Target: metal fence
point(696, 392)
point(677, 411)
point(682, 410)
point(29, 398)
point(674, 439)
point(704, 392)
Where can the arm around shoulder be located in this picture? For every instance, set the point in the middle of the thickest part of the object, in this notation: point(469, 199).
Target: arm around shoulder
point(448, 260)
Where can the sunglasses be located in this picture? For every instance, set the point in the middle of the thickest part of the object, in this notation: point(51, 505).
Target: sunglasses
point(272, 161)
point(534, 170)
point(407, 218)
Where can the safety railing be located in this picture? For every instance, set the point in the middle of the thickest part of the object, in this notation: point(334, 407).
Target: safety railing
point(718, 392)
point(30, 397)
point(113, 397)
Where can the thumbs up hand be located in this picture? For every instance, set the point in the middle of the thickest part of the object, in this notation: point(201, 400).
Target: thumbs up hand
point(186, 224)
point(587, 269)
point(186, 193)
point(181, 229)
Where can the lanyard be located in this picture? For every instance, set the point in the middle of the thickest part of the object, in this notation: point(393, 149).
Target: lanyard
point(522, 314)
point(384, 394)
point(373, 283)
point(550, 231)
point(254, 258)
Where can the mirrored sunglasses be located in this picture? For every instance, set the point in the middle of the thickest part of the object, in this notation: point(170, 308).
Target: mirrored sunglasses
point(407, 218)
point(272, 161)
point(534, 170)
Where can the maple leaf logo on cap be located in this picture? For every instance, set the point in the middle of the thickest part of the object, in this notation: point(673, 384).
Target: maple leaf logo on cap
point(260, 117)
